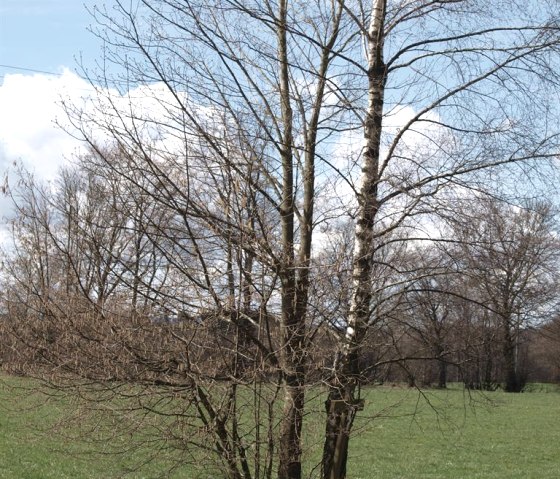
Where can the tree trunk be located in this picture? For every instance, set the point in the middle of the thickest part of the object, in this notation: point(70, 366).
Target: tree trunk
point(488, 383)
point(340, 417)
point(343, 403)
point(442, 376)
point(512, 381)
point(441, 364)
point(293, 324)
point(291, 427)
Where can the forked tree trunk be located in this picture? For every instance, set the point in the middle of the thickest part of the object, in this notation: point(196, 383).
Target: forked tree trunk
point(293, 324)
point(342, 402)
point(296, 277)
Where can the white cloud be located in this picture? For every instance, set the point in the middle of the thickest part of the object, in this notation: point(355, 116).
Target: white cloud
point(30, 107)
point(31, 112)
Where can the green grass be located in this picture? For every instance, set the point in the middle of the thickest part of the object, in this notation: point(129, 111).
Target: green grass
point(400, 434)
point(497, 437)
point(40, 439)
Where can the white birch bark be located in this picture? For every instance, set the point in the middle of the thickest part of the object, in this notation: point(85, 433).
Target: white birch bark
point(368, 191)
point(342, 403)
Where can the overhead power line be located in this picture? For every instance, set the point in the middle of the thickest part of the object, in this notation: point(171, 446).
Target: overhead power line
point(45, 72)
point(13, 67)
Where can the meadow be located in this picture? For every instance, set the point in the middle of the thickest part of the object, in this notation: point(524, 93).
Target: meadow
point(402, 434)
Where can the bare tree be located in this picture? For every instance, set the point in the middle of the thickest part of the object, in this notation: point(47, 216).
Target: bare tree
point(544, 357)
point(431, 311)
point(476, 340)
point(269, 122)
point(421, 54)
point(510, 253)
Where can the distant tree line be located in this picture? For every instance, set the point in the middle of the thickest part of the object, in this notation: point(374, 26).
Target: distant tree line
point(89, 264)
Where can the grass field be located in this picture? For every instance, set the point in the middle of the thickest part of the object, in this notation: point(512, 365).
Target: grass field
point(402, 434)
point(513, 436)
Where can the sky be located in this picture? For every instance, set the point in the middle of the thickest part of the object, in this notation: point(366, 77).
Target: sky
point(41, 43)
point(46, 35)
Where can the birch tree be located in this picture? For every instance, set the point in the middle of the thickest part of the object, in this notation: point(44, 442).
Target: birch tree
point(451, 60)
